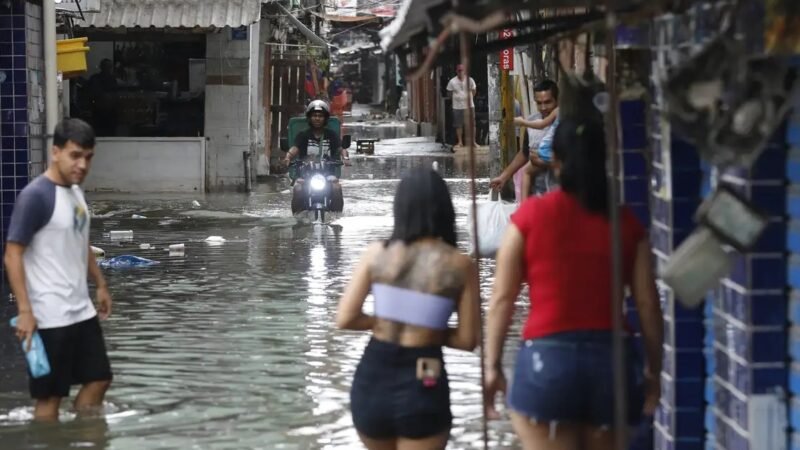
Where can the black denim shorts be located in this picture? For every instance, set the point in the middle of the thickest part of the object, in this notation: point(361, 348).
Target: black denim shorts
point(388, 401)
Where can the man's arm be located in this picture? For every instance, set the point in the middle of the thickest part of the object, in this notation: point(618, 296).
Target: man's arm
point(539, 162)
point(517, 163)
point(292, 153)
point(15, 271)
point(299, 140)
point(32, 210)
point(103, 296)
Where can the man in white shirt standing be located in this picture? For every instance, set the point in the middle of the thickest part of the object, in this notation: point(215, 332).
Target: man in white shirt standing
point(463, 98)
point(47, 259)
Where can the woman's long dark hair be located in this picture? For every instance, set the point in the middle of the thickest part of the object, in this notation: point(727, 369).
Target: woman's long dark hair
point(580, 146)
point(423, 208)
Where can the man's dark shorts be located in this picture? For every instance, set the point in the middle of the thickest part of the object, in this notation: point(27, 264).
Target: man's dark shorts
point(458, 117)
point(77, 355)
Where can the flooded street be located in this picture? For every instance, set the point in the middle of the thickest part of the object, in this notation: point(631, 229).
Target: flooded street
point(233, 345)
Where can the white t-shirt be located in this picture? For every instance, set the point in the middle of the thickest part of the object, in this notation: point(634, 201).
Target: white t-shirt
point(535, 136)
point(460, 93)
point(52, 222)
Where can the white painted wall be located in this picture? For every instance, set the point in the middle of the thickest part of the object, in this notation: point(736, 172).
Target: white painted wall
point(227, 109)
point(148, 165)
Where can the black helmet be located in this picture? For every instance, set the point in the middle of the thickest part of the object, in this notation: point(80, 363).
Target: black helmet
point(318, 105)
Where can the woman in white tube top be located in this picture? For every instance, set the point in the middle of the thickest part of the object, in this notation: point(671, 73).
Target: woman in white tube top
point(400, 397)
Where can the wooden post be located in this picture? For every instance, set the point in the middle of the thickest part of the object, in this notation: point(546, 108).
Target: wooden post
point(508, 147)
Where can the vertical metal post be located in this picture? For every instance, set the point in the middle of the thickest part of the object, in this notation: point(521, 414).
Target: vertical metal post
point(469, 135)
point(248, 178)
point(612, 164)
point(50, 73)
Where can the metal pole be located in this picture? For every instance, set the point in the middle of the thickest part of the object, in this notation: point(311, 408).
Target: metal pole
point(50, 72)
point(248, 178)
point(469, 135)
point(612, 163)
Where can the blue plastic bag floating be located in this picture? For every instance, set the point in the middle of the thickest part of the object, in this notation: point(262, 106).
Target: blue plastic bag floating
point(36, 356)
point(126, 262)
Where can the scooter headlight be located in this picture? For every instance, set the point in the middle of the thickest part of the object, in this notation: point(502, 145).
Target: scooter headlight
point(318, 182)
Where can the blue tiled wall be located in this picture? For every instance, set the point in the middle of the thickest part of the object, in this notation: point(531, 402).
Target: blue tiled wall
point(793, 273)
point(748, 315)
point(676, 183)
point(14, 135)
point(719, 356)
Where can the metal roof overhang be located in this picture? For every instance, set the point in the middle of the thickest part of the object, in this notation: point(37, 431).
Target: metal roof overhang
point(174, 14)
point(420, 18)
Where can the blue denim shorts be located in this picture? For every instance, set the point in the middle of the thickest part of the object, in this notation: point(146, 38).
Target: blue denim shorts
point(568, 377)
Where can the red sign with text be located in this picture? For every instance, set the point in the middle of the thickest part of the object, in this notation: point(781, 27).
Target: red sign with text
point(507, 55)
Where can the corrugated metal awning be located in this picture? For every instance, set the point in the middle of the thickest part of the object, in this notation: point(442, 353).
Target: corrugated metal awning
point(421, 17)
point(174, 13)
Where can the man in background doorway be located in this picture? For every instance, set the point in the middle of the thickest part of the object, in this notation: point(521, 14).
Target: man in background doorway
point(463, 95)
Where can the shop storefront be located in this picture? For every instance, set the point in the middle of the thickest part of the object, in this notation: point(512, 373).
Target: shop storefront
point(172, 89)
point(142, 83)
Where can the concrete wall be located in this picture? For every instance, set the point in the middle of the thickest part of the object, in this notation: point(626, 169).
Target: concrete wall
point(148, 165)
point(227, 113)
point(258, 111)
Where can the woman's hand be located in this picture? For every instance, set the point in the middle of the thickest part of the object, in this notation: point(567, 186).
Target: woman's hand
point(652, 392)
point(494, 382)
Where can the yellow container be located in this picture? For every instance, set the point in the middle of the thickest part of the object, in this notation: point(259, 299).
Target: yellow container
point(71, 53)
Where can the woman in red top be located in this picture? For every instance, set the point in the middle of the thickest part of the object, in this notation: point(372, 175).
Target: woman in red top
point(561, 394)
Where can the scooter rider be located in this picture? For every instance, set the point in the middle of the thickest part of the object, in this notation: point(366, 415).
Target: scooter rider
point(317, 141)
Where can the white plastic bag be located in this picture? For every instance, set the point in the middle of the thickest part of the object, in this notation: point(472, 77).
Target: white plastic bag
point(493, 219)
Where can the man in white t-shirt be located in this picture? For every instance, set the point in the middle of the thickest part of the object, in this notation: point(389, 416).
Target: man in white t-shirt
point(463, 98)
point(47, 259)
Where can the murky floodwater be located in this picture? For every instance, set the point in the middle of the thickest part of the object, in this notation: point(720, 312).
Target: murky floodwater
point(233, 345)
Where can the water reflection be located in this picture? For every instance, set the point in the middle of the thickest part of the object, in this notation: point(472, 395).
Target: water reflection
point(234, 346)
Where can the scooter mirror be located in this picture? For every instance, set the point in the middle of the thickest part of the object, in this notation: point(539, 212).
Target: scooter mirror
point(346, 141)
point(284, 143)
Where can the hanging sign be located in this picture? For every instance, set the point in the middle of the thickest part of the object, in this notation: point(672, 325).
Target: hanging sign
point(507, 55)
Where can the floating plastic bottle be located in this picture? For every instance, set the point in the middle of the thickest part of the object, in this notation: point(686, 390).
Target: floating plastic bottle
point(121, 234)
point(36, 356)
point(127, 262)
